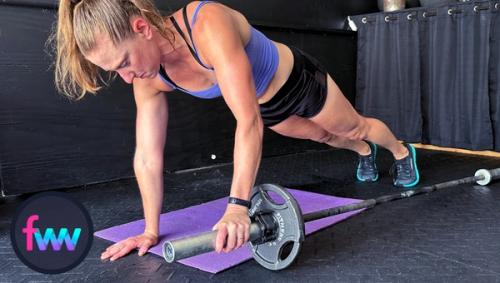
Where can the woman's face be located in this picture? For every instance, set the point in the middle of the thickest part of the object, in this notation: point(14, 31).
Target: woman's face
point(137, 57)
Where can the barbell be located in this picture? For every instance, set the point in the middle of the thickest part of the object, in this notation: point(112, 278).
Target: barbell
point(277, 227)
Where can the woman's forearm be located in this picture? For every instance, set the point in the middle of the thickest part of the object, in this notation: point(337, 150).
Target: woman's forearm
point(150, 180)
point(247, 154)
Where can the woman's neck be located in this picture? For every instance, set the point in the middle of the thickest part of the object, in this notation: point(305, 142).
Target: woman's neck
point(171, 51)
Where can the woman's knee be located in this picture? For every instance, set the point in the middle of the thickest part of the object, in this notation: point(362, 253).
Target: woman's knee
point(324, 137)
point(359, 131)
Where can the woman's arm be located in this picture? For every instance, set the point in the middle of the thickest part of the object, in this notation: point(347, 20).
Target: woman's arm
point(151, 125)
point(151, 128)
point(220, 42)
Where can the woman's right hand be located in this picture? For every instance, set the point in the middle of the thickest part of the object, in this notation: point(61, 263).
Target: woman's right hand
point(142, 242)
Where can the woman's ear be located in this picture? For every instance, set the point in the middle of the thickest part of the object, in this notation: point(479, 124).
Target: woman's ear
point(141, 27)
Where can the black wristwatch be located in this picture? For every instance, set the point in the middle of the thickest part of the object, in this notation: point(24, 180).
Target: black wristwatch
point(239, 201)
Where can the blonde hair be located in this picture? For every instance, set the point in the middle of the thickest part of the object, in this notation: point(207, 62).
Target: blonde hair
point(79, 21)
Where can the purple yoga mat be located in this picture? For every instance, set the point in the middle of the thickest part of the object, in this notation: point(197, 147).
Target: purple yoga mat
point(200, 218)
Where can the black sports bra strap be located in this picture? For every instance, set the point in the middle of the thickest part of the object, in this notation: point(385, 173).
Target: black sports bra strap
point(193, 52)
point(190, 33)
point(188, 25)
point(166, 77)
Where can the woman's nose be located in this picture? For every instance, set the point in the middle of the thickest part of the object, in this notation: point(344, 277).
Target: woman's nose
point(127, 76)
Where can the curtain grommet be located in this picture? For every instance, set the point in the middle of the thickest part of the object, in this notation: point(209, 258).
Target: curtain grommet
point(363, 20)
point(428, 14)
point(409, 17)
point(390, 18)
point(452, 12)
point(478, 8)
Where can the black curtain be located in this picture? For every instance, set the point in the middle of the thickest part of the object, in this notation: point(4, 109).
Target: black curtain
point(388, 73)
point(435, 69)
point(495, 75)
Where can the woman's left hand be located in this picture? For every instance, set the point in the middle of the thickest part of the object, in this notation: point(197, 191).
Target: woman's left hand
point(233, 229)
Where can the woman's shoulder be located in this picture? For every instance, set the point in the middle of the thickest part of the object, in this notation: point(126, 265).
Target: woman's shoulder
point(200, 11)
point(202, 14)
point(147, 86)
point(213, 16)
point(205, 5)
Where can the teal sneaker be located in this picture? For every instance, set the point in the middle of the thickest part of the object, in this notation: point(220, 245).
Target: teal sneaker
point(367, 169)
point(405, 171)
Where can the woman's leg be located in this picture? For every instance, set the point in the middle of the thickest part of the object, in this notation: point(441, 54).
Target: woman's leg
point(340, 118)
point(301, 128)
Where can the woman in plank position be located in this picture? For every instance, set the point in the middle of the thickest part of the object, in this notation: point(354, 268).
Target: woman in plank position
point(209, 50)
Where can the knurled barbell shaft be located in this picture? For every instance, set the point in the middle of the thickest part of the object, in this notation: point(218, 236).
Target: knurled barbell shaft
point(203, 243)
point(387, 198)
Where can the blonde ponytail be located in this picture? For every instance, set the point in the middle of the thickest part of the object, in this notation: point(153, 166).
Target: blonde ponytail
point(79, 21)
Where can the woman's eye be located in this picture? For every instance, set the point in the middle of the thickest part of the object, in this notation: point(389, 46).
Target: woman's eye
point(125, 64)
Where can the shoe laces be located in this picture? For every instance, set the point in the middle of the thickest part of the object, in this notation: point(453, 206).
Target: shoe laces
point(401, 167)
point(366, 162)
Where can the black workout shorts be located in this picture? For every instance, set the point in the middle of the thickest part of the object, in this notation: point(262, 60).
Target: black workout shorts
point(303, 94)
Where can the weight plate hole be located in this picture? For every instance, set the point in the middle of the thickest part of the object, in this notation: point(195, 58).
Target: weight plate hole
point(286, 249)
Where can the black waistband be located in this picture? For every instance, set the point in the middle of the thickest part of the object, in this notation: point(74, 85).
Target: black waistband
point(292, 80)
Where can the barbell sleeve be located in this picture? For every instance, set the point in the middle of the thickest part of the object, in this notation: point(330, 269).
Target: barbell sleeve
point(202, 243)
